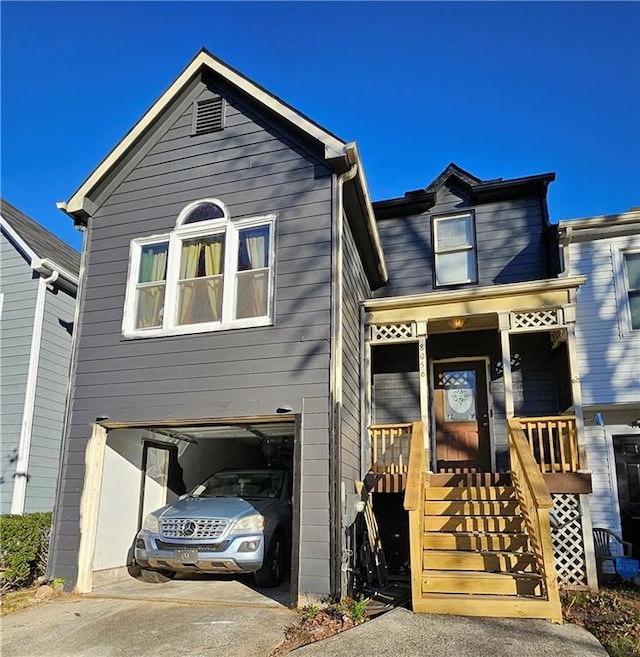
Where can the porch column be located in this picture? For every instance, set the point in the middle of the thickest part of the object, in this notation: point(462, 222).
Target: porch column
point(504, 325)
point(421, 332)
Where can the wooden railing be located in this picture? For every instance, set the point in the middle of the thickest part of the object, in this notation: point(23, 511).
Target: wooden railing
point(535, 503)
point(390, 448)
point(553, 441)
point(417, 481)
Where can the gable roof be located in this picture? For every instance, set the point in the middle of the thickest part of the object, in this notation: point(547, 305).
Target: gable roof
point(37, 242)
point(339, 154)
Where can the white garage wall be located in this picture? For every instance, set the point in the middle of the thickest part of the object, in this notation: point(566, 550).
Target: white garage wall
point(119, 498)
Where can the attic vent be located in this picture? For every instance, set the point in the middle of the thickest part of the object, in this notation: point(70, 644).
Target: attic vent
point(208, 115)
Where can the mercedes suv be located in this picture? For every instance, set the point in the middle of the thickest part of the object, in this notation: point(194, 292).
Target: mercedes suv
point(236, 521)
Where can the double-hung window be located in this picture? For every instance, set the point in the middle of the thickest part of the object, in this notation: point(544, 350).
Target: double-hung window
point(454, 247)
point(632, 274)
point(210, 273)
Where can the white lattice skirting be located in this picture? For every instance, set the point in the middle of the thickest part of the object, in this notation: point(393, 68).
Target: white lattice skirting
point(568, 542)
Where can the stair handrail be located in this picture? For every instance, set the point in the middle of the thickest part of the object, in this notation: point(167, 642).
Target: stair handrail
point(535, 502)
point(414, 503)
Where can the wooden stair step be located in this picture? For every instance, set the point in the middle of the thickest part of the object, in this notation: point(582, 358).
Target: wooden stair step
point(472, 507)
point(499, 524)
point(486, 605)
point(479, 561)
point(470, 492)
point(479, 583)
point(470, 479)
point(511, 542)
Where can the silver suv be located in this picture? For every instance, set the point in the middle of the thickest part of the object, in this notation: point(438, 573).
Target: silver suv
point(236, 521)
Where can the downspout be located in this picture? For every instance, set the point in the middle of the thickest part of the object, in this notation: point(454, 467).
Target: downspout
point(24, 446)
point(335, 474)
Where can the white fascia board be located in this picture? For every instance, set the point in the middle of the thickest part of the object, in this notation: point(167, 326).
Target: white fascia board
point(334, 147)
point(27, 251)
point(353, 156)
point(486, 292)
point(43, 266)
point(599, 224)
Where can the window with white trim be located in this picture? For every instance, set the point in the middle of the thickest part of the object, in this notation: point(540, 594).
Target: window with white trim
point(210, 273)
point(454, 248)
point(632, 280)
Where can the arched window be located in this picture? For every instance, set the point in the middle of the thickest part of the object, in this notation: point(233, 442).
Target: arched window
point(211, 273)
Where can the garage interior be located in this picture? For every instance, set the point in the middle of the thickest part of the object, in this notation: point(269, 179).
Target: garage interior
point(147, 467)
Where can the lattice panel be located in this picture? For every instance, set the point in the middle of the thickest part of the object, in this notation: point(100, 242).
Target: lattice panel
point(393, 332)
point(536, 320)
point(568, 543)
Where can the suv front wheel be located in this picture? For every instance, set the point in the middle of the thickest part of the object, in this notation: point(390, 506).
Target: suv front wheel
point(275, 561)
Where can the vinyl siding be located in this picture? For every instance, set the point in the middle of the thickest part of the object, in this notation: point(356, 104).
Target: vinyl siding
point(19, 288)
point(355, 290)
point(255, 169)
point(51, 387)
point(608, 352)
point(509, 237)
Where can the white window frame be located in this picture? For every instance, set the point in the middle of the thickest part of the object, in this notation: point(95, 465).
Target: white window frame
point(472, 247)
point(622, 286)
point(230, 228)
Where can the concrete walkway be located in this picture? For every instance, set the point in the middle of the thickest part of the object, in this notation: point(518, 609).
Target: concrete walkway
point(400, 633)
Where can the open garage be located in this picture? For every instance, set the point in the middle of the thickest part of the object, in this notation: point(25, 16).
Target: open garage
point(216, 481)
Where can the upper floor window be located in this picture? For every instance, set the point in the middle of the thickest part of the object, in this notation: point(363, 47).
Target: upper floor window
point(632, 272)
point(210, 273)
point(454, 247)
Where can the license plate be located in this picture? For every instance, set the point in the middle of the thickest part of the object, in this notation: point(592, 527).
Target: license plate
point(186, 556)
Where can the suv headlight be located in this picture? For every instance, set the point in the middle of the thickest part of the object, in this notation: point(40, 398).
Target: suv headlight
point(252, 523)
point(150, 524)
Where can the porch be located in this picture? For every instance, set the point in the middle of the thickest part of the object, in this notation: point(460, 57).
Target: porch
point(475, 419)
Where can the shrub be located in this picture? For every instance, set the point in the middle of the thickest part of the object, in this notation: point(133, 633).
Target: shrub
point(24, 546)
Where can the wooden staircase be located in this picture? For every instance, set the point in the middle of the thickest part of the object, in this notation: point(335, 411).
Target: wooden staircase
point(477, 558)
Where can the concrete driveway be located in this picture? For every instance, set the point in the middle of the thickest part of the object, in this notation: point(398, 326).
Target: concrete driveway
point(107, 627)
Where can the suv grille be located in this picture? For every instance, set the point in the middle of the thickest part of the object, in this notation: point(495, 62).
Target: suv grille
point(193, 527)
point(201, 547)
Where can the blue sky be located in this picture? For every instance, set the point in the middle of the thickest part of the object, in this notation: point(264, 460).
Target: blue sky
point(503, 89)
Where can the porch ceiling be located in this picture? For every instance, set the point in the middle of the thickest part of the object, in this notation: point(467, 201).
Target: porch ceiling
point(479, 301)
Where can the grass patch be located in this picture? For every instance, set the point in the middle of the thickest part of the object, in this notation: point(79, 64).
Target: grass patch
point(612, 615)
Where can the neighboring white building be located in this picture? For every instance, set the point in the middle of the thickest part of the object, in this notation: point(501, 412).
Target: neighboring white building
point(607, 250)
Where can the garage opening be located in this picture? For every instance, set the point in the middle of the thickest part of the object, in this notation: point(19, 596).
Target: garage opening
point(201, 504)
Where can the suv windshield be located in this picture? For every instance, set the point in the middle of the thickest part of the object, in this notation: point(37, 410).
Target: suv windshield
point(256, 484)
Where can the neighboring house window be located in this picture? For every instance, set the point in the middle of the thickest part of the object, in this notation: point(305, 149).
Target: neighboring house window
point(454, 249)
point(632, 271)
point(211, 273)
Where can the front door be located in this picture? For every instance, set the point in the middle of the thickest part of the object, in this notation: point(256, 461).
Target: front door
point(462, 418)
point(627, 451)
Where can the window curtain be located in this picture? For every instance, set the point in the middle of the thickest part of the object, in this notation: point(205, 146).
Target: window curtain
point(213, 267)
point(153, 267)
point(200, 301)
point(257, 243)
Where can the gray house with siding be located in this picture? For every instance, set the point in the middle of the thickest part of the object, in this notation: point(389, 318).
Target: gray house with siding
point(236, 310)
point(38, 283)
point(254, 334)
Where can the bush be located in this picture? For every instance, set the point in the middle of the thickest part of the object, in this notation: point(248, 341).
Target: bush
point(24, 546)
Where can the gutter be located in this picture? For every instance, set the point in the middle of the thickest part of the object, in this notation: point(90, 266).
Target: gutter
point(24, 446)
